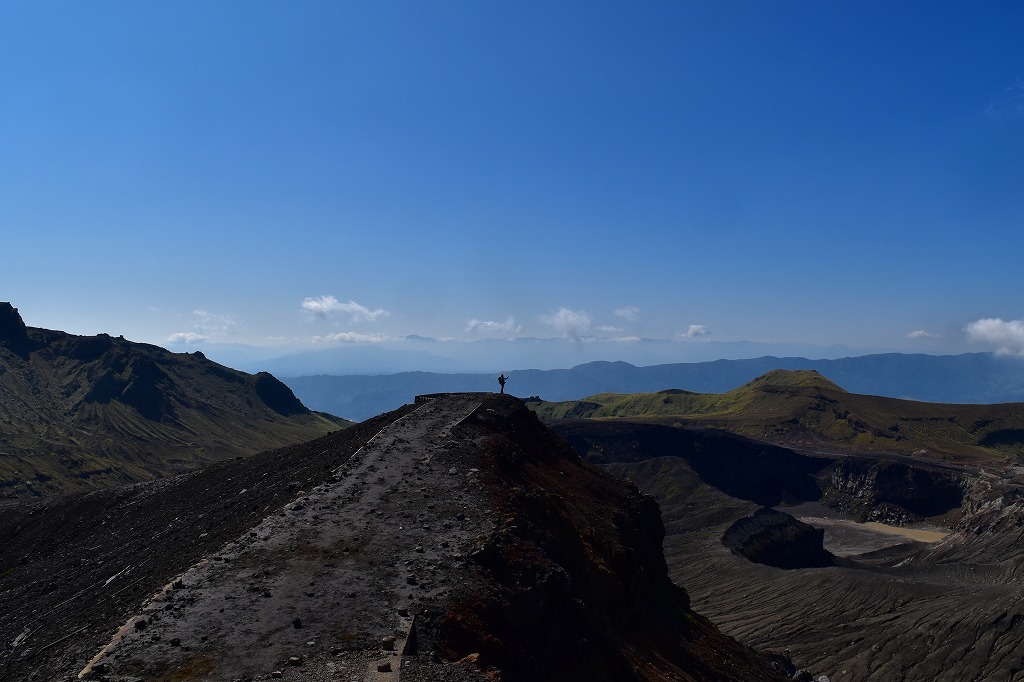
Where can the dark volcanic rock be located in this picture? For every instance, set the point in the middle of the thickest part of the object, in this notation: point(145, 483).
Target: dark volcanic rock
point(741, 467)
point(277, 396)
point(573, 584)
point(892, 492)
point(777, 539)
point(555, 571)
point(13, 333)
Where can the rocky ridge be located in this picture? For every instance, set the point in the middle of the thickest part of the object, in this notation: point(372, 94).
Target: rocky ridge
point(456, 539)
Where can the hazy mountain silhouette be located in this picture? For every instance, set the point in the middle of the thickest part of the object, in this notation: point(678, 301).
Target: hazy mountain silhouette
point(968, 378)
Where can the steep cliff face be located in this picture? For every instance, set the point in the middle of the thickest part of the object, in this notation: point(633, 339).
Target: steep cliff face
point(13, 333)
point(867, 489)
point(991, 529)
point(892, 492)
point(744, 468)
point(574, 583)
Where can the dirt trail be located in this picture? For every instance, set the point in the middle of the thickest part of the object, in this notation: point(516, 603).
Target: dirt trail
point(326, 589)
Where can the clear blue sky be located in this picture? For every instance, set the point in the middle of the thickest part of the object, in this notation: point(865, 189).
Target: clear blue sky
point(336, 172)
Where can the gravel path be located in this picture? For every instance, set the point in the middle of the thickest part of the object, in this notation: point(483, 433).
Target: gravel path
point(328, 587)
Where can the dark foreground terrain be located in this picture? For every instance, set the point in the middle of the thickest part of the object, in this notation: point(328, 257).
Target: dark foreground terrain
point(456, 539)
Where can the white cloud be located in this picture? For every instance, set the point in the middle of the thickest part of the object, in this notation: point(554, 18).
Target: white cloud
point(1006, 336)
point(921, 334)
point(212, 324)
point(695, 331)
point(629, 312)
point(609, 329)
point(326, 306)
point(186, 337)
point(571, 323)
point(492, 328)
point(626, 339)
point(205, 326)
point(350, 337)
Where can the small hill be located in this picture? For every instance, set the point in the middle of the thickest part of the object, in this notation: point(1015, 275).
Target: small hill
point(84, 412)
point(803, 409)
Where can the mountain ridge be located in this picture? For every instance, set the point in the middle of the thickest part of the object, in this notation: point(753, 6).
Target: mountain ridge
point(802, 409)
point(82, 412)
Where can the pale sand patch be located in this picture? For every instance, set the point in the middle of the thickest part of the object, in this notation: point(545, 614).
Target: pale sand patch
point(844, 537)
point(918, 534)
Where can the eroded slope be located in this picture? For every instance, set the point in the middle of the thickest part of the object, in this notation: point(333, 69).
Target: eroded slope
point(951, 610)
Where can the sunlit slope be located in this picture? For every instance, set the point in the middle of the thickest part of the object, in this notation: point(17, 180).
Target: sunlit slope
point(84, 412)
point(802, 408)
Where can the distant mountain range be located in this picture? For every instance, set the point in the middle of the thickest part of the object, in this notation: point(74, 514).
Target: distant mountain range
point(425, 354)
point(968, 378)
point(84, 412)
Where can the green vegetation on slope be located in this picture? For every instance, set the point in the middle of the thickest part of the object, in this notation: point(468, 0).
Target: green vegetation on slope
point(84, 412)
point(804, 409)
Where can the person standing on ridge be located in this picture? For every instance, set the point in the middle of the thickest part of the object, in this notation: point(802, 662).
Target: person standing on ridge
point(501, 380)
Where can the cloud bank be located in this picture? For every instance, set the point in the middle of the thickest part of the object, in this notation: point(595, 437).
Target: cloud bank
point(327, 306)
point(629, 312)
point(350, 337)
point(208, 325)
point(695, 331)
point(569, 323)
point(186, 338)
point(1006, 336)
point(492, 328)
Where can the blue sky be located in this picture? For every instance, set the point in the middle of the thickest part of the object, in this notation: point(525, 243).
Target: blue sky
point(800, 175)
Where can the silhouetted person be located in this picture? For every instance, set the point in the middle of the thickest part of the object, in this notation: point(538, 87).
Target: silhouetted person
point(501, 380)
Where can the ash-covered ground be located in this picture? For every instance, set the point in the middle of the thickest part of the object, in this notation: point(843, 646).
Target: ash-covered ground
point(454, 539)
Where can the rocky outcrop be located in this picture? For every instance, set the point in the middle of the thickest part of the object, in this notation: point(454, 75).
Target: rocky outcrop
point(891, 492)
point(777, 539)
point(277, 396)
point(991, 529)
point(13, 333)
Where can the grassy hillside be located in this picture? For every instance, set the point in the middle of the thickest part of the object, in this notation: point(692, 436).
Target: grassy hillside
point(82, 412)
point(804, 409)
